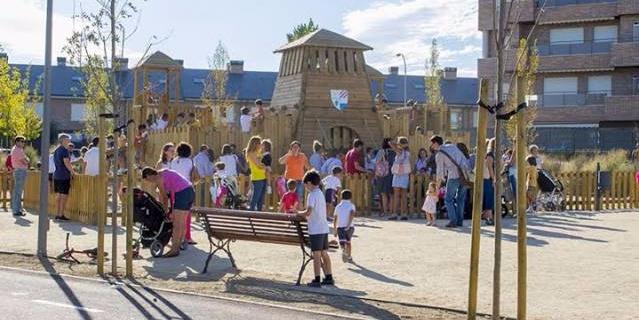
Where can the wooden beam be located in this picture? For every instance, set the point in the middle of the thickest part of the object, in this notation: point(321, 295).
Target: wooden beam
point(521, 204)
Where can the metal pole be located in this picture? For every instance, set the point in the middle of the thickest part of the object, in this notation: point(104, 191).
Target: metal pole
point(129, 194)
point(521, 205)
point(477, 201)
point(405, 76)
point(43, 218)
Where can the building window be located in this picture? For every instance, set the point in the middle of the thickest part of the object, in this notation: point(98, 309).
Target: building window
point(600, 85)
point(605, 34)
point(455, 120)
point(77, 112)
point(566, 36)
point(560, 91)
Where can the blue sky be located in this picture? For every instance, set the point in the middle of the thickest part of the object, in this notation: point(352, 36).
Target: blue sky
point(251, 30)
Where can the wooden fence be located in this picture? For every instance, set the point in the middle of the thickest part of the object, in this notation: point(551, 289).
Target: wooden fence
point(580, 191)
point(83, 201)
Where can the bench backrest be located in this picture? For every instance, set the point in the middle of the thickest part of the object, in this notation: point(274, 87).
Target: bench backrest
point(254, 226)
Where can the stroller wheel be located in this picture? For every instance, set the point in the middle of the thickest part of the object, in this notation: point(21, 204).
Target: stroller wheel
point(157, 248)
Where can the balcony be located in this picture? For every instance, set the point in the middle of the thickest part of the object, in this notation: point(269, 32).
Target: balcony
point(566, 11)
point(558, 99)
point(523, 9)
point(574, 63)
point(625, 54)
point(627, 7)
point(569, 48)
point(622, 108)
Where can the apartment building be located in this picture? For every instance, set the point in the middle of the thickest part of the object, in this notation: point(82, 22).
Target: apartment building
point(587, 88)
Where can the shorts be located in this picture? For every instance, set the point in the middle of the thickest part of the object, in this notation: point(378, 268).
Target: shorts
point(184, 199)
point(400, 181)
point(331, 197)
point(345, 235)
point(488, 197)
point(62, 186)
point(384, 184)
point(319, 242)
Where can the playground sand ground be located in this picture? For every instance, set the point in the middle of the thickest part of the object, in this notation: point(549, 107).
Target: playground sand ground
point(580, 265)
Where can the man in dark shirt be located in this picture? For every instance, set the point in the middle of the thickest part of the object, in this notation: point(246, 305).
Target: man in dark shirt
point(62, 175)
point(354, 158)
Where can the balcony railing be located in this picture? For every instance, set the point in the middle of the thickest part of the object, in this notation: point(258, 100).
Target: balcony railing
point(559, 3)
point(571, 99)
point(567, 48)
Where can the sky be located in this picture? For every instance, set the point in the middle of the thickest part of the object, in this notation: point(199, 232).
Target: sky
point(252, 29)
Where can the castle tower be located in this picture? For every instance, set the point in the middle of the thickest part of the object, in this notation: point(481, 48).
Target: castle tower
point(316, 73)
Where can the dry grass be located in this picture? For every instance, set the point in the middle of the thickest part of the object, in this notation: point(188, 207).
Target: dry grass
point(616, 160)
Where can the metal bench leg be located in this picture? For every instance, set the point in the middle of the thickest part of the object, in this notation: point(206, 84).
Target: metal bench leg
point(228, 252)
point(306, 258)
point(208, 259)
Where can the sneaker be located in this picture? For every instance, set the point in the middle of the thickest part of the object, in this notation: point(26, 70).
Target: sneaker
point(269, 190)
point(314, 284)
point(350, 259)
point(328, 282)
point(19, 214)
point(61, 218)
point(392, 218)
point(404, 218)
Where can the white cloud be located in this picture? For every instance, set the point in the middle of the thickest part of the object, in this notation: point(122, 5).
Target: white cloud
point(409, 27)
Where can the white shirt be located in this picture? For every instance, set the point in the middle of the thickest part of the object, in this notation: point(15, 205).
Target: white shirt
point(183, 166)
point(203, 164)
point(332, 182)
point(160, 124)
point(317, 220)
point(343, 213)
point(92, 161)
point(230, 164)
point(245, 123)
point(51, 164)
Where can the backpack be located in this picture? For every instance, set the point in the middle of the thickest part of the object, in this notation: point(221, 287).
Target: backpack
point(8, 164)
point(382, 166)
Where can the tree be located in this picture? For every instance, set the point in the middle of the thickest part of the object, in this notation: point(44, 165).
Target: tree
point(17, 103)
point(526, 67)
point(214, 93)
point(432, 80)
point(302, 30)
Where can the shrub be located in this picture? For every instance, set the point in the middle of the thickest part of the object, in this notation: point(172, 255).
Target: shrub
point(32, 155)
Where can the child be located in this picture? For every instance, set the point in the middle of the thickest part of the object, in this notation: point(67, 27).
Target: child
point(332, 183)
point(430, 204)
point(531, 182)
point(267, 161)
point(290, 203)
point(315, 214)
point(370, 160)
point(217, 191)
point(343, 223)
point(245, 120)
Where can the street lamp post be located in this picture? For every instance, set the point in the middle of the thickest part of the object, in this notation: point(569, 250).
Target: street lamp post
point(43, 218)
point(405, 74)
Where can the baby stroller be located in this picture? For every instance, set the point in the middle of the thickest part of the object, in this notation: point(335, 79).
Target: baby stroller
point(551, 192)
point(154, 226)
point(226, 194)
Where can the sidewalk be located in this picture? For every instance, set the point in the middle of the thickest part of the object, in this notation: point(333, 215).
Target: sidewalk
point(579, 266)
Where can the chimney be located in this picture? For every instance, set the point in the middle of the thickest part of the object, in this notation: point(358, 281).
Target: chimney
point(123, 63)
point(236, 66)
point(393, 70)
point(62, 61)
point(450, 73)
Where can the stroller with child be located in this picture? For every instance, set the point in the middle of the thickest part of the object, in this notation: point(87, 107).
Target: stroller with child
point(155, 228)
point(226, 194)
point(551, 192)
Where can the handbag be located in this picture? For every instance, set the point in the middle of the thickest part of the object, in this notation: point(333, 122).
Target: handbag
point(381, 167)
point(463, 174)
point(401, 166)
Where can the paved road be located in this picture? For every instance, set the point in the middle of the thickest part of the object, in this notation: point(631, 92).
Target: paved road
point(42, 296)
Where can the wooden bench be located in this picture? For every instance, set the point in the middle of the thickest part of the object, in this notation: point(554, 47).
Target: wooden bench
point(224, 226)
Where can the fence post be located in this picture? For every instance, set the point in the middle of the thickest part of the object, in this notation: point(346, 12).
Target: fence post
point(598, 189)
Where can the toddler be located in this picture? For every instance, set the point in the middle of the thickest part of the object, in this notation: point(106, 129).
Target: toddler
point(430, 204)
point(343, 224)
point(289, 202)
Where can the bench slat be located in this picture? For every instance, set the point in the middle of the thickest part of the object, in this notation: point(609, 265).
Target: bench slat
point(258, 231)
point(265, 239)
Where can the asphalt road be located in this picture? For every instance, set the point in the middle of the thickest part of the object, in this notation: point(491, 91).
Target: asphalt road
point(26, 295)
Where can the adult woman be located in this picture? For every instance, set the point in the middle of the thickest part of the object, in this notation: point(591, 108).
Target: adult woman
point(258, 172)
point(384, 183)
point(177, 191)
point(296, 164)
point(488, 202)
point(316, 159)
point(401, 171)
point(168, 152)
point(230, 160)
point(183, 164)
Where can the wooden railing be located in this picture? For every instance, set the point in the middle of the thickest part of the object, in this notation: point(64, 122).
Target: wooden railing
point(580, 191)
point(83, 201)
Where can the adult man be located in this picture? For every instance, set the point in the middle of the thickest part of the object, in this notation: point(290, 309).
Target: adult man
point(354, 158)
point(20, 165)
point(92, 159)
point(448, 161)
point(62, 175)
point(203, 163)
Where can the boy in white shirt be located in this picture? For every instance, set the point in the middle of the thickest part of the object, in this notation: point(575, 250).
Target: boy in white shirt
point(245, 120)
point(315, 214)
point(332, 184)
point(343, 224)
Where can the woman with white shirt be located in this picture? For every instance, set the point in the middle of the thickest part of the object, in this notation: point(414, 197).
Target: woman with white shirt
point(230, 161)
point(183, 164)
point(168, 152)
